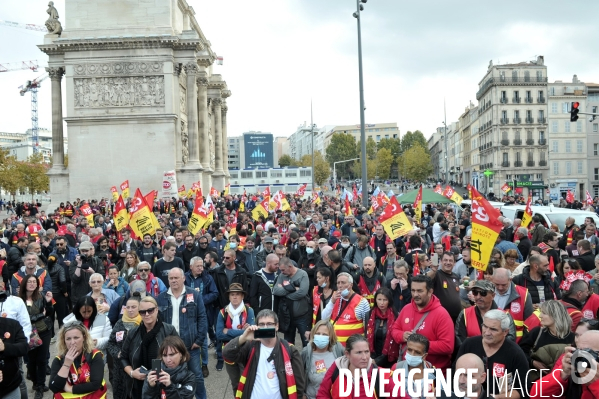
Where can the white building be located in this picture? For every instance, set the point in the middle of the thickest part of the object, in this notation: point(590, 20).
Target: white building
point(21, 144)
point(592, 139)
point(287, 179)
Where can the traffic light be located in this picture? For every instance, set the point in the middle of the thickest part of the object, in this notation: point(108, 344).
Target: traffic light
point(574, 111)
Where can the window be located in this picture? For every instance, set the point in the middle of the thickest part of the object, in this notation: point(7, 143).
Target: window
point(378, 138)
point(305, 173)
point(596, 149)
point(554, 127)
point(578, 145)
point(530, 156)
point(508, 177)
point(578, 127)
point(539, 76)
point(568, 146)
point(541, 135)
point(247, 175)
point(514, 74)
point(579, 167)
point(291, 173)
point(504, 135)
point(556, 168)
point(276, 173)
point(566, 108)
point(554, 144)
point(542, 155)
point(596, 174)
point(505, 157)
point(504, 115)
point(527, 76)
point(595, 127)
point(539, 176)
point(541, 115)
point(529, 135)
point(595, 191)
point(567, 127)
point(528, 115)
point(554, 108)
point(518, 135)
point(594, 109)
point(503, 97)
point(552, 91)
point(568, 168)
point(233, 175)
point(518, 159)
point(261, 174)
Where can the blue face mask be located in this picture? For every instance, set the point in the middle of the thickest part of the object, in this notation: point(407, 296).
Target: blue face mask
point(321, 341)
point(309, 250)
point(345, 293)
point(232, 245)
point(275, 242)
point(413, 361)
point(323, 285)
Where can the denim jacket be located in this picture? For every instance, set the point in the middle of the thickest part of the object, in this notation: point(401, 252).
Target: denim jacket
point(193, 324)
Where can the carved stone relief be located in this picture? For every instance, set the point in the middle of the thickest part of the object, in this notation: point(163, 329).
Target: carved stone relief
point(183, 99)
point(119, 91)
point(184, 143)
point(119, 68)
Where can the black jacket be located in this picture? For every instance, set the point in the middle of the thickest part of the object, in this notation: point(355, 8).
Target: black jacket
point(186, 255)
point(551, 290)
point(222, 283)
point(524, 247)
point(586, 261)
point(14, 261)
point(15, 346)
point(261, 296)
point(183, 385)
point(157, 254)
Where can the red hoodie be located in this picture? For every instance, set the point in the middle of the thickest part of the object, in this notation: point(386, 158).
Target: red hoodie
point(437, 327)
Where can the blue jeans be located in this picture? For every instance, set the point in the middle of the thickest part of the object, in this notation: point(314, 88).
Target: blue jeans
point(195, 366)
point(302, 326)
point(219, 350)
point(205, 351)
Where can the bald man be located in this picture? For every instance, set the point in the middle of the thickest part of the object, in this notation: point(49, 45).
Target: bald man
point(470, 361)
point(512, 299)
point(566, 384)
point(370, 280)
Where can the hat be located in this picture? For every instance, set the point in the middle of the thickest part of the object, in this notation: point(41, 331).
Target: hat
point(483, 285)
point(267, 239)
point(138, 286)
point(322, 241)
point(337, 233)
point(87, 245)
point(235, 287)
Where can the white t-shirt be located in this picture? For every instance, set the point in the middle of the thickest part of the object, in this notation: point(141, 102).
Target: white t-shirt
point(266, 385)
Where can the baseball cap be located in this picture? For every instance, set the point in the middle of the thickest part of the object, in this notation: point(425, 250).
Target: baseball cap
point(322, 241)
point(87, 245)
point(267, 239)
point(483, 285)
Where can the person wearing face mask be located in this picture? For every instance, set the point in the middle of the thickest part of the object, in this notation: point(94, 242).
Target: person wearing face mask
point(235, 245)
point(321, 293)
point(417, 349)
point(344, 245)
point(319, 355)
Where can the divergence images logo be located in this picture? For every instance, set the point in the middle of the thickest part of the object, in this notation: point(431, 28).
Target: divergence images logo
point(584, 366)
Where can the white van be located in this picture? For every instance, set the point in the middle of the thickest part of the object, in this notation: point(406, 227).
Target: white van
point(496, 205)
point(549, 214)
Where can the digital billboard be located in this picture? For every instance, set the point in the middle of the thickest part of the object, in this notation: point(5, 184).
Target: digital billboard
point(258, 149)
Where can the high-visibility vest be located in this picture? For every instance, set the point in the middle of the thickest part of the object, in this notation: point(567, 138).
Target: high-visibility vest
point(591, 307)
point(41, 278)
point(366, 293)
point(347, 323)
point(471, 321)
point(516, 310)
point(571, 235)
point(315, 304)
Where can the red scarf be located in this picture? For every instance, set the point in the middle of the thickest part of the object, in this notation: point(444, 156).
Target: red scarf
point(377, 314)
point(289, 378)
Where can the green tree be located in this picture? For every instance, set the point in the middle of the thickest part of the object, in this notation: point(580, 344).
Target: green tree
point(416, 164)
point(305, 161)
point(342, 147)
point(393, 145)
point(10, 179)
point(322, 171)
point(371, 167)
point(33, 174)
point(410, 139)
point(285, 160)
point(384, 159)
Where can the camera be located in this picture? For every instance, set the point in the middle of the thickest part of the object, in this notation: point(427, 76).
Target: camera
point(581, 359)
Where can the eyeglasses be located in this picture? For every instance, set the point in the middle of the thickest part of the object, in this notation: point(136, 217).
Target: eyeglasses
point(143, 270)
point(267, 325)
point(60, 245)
point(147, 311)
point(481, 293)
point(226, 257)
point(203, 243)
point(590, 322)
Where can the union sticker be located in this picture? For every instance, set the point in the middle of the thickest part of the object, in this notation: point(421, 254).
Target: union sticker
point(515, 307)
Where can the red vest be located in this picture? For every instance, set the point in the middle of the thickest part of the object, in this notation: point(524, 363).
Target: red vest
point(591, 307)
point(471, 321)
point(347, 324)
point(516, 310)
point(316, 304)
point(366, 293)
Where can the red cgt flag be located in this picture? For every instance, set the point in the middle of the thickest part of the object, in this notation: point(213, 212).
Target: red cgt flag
point(569, 197)
point(416, 270)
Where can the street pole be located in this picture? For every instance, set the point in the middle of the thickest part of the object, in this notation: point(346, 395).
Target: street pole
point(362, 127)
point(335, 169)
point(446, 153)
point(312, 134)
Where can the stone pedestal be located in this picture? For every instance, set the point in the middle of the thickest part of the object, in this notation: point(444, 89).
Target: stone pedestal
point(59, 187)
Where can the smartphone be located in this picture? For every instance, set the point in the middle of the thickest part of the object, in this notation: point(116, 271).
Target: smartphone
point(435, 259)
point(143, 370)
point(156, 365)
point(265, 333)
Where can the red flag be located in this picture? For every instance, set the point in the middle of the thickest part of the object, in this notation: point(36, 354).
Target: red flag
point(569, 197)
point(551, 266)
point(480, 275)
point(416, 271)
point(438, 189)
point(300, 191)
point(355, 192)
point(348, 211)
point(589, 199)
point(150, 197)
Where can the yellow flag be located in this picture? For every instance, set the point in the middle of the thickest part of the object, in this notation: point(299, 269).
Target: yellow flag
point(115, 193)
point(485, 229)
point(394, 220)
point(527, 217)
point(285, 204)
point(198, 217)
point(125, 189)
point(227, 187)
point(87, 212)
point(260, 210)
point(121, 216)
point(141, 217)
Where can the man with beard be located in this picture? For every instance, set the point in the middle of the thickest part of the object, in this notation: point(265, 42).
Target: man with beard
point(148, 252)
point(466, 272)
point(296, 254)
point(446, 285)
point(470, 362)
point(370, 280)
point(189, 251)
point(379, 242)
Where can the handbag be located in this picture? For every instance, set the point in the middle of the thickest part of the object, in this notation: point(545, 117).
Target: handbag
point(34, 339)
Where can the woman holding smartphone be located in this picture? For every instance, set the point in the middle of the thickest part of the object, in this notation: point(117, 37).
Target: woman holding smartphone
point(170, 378)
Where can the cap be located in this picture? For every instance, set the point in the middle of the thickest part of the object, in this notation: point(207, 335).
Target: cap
point(483, 285)
point(267, 239)
point(322, 241)
point(337, 233)
point(87, 245)
point(235, 287)
point(138, 286)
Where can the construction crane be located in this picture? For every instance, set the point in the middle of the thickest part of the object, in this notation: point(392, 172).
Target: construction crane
point(19, 65)
point(32, 87)
point(37, 28)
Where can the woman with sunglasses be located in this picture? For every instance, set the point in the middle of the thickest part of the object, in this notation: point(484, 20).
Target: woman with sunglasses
point(141, 346)
point(40, 311)
point(130, 267)
point(130, 320)
point(78, 369)
point(98, 324)
point(174, 380)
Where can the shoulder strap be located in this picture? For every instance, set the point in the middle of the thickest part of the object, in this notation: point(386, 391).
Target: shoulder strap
point(420, 322)
point(534, 346)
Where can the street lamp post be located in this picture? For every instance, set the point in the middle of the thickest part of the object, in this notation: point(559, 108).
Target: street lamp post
point(312, 134)
point(335, 170)
point(446, 154)
point(360, 7)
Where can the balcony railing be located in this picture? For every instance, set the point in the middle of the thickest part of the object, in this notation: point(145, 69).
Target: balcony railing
point(530, 120)
point(542, 162)
point(505, 164)
point(503, 100)
point(542, 120)
point(502, 80)
point(542, 142)
point(517, 142)
point(516, 100)
point(504, 121)
point(530, 141)
point(518, 164)
point(541, 100)
point(528, 100)
point(530, 163)
point(505, 142)
point(517, 121)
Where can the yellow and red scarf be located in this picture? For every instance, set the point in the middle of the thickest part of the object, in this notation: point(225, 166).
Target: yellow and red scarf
point(82, 375)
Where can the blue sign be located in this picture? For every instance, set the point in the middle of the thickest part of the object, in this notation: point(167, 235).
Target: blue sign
point(258, 150)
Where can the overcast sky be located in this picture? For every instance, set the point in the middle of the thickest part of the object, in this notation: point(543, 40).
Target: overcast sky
point(280, 54)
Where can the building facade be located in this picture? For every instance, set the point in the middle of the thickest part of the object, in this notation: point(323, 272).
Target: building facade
point(287, 179)
point(252, 150)
point(592, 138)
point(377, 132)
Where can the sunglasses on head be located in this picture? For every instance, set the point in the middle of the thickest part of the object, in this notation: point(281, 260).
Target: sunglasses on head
point(147, 311)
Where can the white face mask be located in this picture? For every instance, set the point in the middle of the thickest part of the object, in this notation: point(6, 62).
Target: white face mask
point(345, 244)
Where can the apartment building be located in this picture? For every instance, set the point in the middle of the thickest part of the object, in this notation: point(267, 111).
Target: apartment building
point(592, 138)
